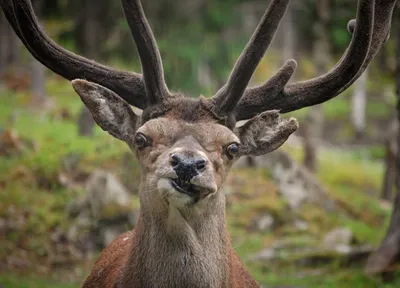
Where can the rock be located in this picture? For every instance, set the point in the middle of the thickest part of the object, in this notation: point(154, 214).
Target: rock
point(296, 184)
point(263, 223)
point(300, 225)
point(130, 175)
point(81, 223)
point(71, 176)
point(339, 239)
point(75, 207)
point(70, 162)
point(348, 256)
point(111, 233)
point(105, 191)
point(265, 255)
point(103, 213)
point(313, 256)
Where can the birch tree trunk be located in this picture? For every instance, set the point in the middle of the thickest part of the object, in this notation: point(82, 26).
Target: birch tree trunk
point(315, 118)
point(358, 105)
point(288, 35)
point(38, 77)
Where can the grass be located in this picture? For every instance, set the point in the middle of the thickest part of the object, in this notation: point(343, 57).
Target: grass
point(29, 184)
point(322, 278)
point(18, 281)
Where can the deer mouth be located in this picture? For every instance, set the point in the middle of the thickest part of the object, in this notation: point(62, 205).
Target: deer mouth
point(185, 187)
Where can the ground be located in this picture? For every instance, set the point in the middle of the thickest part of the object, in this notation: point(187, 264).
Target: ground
point(33, 197)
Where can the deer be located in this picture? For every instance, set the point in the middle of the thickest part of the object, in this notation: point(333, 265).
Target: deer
point(186, 146)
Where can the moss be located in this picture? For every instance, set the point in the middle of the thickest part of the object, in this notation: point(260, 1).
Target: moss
point(113, 211)
point(251, 198)
point(22, 281)
point(324, 277)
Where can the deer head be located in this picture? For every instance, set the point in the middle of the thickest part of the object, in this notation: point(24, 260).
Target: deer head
point(186, 146)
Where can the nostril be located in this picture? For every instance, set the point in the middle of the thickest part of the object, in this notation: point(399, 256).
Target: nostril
point(201, 164)
point(175, 160)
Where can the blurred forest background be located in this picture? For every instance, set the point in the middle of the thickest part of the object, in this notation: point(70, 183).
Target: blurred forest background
point(319, 212)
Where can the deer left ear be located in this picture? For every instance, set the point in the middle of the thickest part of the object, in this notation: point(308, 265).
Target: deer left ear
point(110, 111)
point(264, 133)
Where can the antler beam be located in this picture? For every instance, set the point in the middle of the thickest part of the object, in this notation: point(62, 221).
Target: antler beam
point(370, 33)
point(22, 18)
point(150, 57)
point(228, 96)
point(370, 30)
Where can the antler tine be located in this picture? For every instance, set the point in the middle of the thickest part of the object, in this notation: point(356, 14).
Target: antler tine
point(228, 96)
point(150, 57)
point(381, 33)
point(370, 33)
point(22, 18)
point(256, 102)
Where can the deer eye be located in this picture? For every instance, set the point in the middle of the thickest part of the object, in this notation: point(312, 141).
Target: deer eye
point(232, 150)
point(140, 140)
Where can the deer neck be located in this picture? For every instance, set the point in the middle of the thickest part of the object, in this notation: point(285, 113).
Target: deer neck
point(181, 248)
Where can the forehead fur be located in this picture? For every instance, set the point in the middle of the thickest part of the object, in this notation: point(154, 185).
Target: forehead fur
point(182, 108)
point(209, 134)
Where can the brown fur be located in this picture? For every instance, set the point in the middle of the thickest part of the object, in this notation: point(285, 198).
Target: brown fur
point(108, 272)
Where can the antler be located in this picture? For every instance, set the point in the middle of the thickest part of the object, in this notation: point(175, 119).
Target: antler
point(228, 96)
point(21, 16)
point(370, 32)
point(152, 68)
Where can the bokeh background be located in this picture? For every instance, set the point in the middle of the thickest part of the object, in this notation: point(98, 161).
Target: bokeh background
point(311, 214)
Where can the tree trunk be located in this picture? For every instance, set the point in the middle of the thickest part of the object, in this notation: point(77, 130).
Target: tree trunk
point(390, 162)
point(38, 79)
point(288, 35)
point(9, 45)
point(358, 106)
point(312, 134)
point(3, 43)
point(388, 252)
point(89, 29)
point(315, 118)
point(14, 47)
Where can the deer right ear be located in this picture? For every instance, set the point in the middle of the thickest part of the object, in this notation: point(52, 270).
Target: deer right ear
point(264, 133)
point(110, 111)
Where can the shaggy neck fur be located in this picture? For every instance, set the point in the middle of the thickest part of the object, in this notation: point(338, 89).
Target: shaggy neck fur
point(180, 248)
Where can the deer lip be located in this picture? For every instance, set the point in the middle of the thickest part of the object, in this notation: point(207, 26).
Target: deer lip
point(185, 187)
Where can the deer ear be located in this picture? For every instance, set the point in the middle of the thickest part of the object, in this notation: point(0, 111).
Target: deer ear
point(264, 133)
point(110, 111)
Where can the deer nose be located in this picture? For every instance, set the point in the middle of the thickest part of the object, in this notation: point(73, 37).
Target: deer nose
point(186, 167)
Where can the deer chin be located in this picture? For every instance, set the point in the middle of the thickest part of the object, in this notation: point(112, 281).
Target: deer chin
point(183, 194)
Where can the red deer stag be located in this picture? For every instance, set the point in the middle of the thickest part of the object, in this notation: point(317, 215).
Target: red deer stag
point(185, 146)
